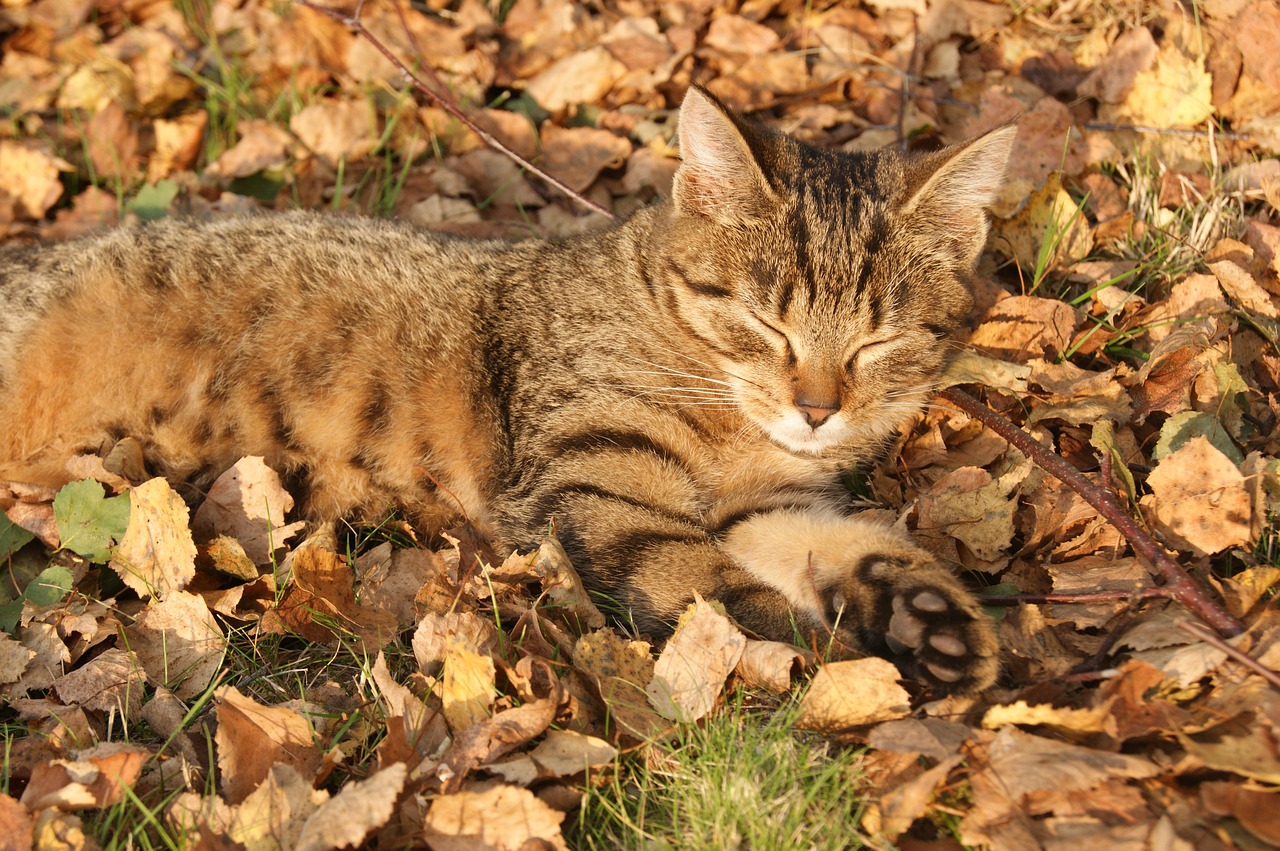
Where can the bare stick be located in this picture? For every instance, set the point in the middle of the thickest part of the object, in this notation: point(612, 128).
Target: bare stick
point(449, 105)
point(1178, 583)
point(1073, 597)
point(1204, 634)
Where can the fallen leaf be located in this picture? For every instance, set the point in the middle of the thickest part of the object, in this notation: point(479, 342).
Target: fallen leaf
point(31, 177)
point(583, 77)
point(15, 825)
point(620, 672)
point(1255, 808)
point(1020, 327)
point(689, 675)
point(349, 816)
point(336, 130)
point(469, 691)
point(95, 779)
point(1198, 499)
point(562, 753)
point(771, 664)
point(263, 145)
point(90, 522)
point(112, 683)
point(179, 643)
point(432, 638)
point(252, 738)
point(247, 503)
point(156, 556)
point(492, 816)
point(851, 694)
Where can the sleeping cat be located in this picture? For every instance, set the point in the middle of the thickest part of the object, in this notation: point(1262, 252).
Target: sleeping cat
point(680, 393)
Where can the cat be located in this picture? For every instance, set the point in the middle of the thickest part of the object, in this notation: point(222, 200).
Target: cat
point(680, 393)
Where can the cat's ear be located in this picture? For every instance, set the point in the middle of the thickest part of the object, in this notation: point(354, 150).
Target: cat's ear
point(949, 192)
point(720, 177)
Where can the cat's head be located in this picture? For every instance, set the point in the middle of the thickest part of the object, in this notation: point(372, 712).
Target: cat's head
point(822, 284)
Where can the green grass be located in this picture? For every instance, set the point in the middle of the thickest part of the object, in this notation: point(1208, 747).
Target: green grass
point(744, 778)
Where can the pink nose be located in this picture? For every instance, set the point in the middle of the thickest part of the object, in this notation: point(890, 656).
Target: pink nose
point(816, 415)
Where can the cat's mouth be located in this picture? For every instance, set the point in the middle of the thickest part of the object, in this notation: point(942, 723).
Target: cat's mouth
point(792, 433)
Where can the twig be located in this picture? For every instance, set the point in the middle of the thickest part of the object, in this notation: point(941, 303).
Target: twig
point(1207, 635)
point(1178, 583)
point(1068, 597)
point(449, 105)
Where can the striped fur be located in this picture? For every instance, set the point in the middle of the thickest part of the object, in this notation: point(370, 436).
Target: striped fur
point(679, 393)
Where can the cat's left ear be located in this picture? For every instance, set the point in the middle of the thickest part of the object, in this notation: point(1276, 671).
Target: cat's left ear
point(719, 176)
point(949, 191)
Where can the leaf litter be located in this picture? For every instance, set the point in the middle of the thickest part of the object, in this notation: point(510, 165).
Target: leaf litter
point(1126, 316)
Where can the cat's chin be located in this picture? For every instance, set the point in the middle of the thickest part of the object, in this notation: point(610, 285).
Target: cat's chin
point(796, 436)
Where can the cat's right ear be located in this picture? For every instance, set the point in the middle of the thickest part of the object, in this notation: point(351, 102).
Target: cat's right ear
point(719, 177)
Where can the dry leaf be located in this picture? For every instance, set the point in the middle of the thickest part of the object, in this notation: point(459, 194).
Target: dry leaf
point(584, 77)
point(971, 506)
point(851, 694)
point(563, 753)
point(469, 691)
point(31, 178)
point(620, 672)
point(771, 664)
point(1198, 499)
point(15, 825)
point(349, 816)
point(432, 637)
point(1022, 327)
point(693, 666)
point(96, 778)
point(156, 556)
point(253, 738)
point(247, 503)
point(1255, 808)
point(336, 130)
point(263, 145)
point(111, 683)
point(493, 816)
point(179, 643)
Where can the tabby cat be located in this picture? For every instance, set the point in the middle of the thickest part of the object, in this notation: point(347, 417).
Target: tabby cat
point(680, 393)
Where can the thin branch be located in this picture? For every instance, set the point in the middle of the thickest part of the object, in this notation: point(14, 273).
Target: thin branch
point(1073, 597)
point(1178, 583)
point(1207, 635)
point(449, 105)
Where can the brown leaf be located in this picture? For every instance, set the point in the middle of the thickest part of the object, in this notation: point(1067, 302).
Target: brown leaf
point(468, 693)
point(1111, 80)
point(252, 738)
point(577, 155)
point(178, 143)
point(1021, 327)
point(690, 673)
point(31, 177)
point(357, 809)
point(578, 78)
point(563, 753)
point(492, 738)
point(771, 664)
point(178, 643)
point(619, 671)
point(336, 130)
point(432, 637)
point(156, 557)
point(1254, 808)
point(15, 825)
point(1198, 499)
point(113, 142)
point(565, 588)
point(111, 683)
point(248, 503)
point(492, 816)
point(971, 506)
point(932, 737)
point(320, 603)
point(851, 694)
point(262, 145)
point(900, 806)
point(14, 659)
point(97, 778)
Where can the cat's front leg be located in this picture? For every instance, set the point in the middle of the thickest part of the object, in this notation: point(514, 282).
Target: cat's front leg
point(873, 584)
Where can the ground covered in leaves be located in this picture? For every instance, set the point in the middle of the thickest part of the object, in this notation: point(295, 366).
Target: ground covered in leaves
point(219, 678)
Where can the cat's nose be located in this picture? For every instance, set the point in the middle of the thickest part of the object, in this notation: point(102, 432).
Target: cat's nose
point(815, 414)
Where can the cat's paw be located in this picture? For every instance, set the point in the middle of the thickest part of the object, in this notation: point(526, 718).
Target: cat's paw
point(921, 613)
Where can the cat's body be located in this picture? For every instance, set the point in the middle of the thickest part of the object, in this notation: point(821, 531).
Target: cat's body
point(679, 393)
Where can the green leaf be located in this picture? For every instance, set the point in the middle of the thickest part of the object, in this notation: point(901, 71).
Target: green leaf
point(153, 200)
point(12, 537)
point(89, 523)
point(1180, 428)
point(49, 587)
point(9, 614)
